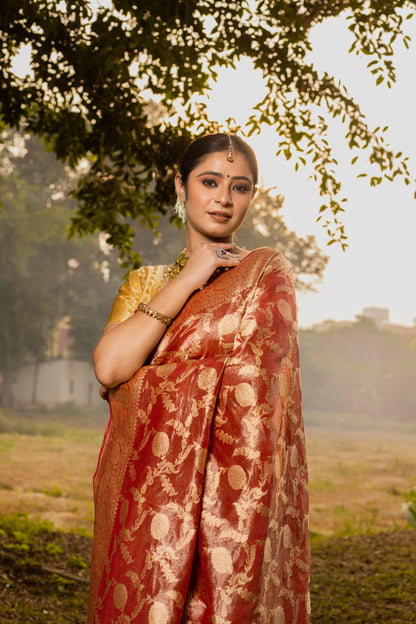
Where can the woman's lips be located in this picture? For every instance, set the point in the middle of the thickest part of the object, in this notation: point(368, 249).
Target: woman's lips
point(221, 217)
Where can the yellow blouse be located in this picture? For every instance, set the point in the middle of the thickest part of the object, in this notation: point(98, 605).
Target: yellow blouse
point(140, 285)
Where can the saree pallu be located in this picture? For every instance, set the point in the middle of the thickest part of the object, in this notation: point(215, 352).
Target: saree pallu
point(201, 488)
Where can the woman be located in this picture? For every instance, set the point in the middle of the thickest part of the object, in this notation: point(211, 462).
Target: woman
point(201, 487)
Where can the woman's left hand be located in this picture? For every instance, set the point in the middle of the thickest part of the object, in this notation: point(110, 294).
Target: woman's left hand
point(104, 392)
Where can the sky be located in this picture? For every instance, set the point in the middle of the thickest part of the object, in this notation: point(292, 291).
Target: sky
point(379, 266)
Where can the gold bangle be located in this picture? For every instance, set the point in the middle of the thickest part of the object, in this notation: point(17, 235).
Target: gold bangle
point(157, 315)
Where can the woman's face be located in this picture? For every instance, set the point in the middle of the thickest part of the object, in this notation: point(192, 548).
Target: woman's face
point(217, 196)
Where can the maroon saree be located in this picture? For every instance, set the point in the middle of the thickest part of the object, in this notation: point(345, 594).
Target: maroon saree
point(201, 487)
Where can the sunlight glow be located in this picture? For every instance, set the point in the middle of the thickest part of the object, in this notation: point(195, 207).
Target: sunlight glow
point(21, 62)
point(235, 92)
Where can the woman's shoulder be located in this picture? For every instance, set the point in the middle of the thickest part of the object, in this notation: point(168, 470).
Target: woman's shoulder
point(138, 278)
point(269, 257)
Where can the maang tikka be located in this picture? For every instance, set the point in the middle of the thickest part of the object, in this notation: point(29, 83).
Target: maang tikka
point(230, 149)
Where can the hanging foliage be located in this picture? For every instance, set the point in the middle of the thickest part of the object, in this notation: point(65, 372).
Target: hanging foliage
point(105, 85)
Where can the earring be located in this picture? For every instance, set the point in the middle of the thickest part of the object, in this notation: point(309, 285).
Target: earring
point(180, 210)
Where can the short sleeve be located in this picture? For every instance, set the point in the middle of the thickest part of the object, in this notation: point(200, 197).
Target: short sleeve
point(140, 285)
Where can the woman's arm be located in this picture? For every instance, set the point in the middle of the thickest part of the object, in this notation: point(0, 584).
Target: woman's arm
point(124, 348)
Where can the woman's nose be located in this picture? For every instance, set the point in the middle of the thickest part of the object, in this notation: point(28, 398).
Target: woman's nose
point(224, 195)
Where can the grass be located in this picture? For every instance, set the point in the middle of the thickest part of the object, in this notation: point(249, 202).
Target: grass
point(47, 460)
point(77, 424)
point(363, 553)
point(359, 477)
point(43, 573)
point(365, 579)
point(362, 579)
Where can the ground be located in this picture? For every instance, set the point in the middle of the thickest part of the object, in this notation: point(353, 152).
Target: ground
point(363, 579)
point(363, 551)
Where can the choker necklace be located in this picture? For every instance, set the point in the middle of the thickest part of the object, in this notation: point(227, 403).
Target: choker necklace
point(175, 268)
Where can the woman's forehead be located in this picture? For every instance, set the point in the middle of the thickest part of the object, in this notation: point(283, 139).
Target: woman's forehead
point(217, 162)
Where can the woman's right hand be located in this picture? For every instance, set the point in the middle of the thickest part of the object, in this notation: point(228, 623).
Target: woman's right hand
point(203, 262)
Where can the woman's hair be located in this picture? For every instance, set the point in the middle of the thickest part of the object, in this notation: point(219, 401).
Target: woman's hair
point(210, 143)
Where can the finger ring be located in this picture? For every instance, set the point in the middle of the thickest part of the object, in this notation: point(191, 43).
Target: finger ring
point(221, 253)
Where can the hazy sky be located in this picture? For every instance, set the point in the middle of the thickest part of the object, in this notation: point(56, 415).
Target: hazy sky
point(379, 267)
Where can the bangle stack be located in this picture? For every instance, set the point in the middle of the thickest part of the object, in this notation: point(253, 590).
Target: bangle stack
point(157, 315)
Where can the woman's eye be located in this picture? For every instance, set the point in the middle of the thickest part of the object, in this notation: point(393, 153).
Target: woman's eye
point(209, 182)
point(241, 188)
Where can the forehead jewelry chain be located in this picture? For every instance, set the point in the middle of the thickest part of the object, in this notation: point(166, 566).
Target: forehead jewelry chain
point(230, 149)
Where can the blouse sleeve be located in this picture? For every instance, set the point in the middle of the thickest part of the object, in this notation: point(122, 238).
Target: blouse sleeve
point(128, 298)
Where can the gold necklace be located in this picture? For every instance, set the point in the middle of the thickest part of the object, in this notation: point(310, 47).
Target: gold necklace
point(175, 268)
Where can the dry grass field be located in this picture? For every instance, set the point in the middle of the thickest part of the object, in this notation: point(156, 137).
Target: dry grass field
point(360, 472)
point(360, 475)
point(46, 466)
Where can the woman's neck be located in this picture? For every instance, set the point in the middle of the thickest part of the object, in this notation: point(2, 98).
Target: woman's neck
point(192, 241)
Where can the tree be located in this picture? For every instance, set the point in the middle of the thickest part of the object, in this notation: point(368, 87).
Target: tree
point(42, 271)
point(92, 283)
point(359, 369)
point(97, 76)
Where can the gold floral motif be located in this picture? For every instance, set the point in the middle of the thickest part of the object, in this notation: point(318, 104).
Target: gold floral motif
point(285, 310)
point(249, 371)
point(287, 536)
point(166, 370)
point(294, 458)
point(206, 378)
point(124, 510)
point(158, 613)
point(237, 477)
point(244, 394)
point(160, 444)
point(221, 560)
point(120, 596)
point(159, 526)
point(279, 616)
point(228, 324)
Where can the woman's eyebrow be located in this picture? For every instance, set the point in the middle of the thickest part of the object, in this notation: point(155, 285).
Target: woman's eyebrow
point(221, 175)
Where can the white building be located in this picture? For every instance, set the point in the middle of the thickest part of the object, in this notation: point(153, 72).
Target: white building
point(379, 315)
point(57, 382)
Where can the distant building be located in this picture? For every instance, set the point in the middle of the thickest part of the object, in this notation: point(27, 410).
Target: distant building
point(380, 315)
point(56, 382)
